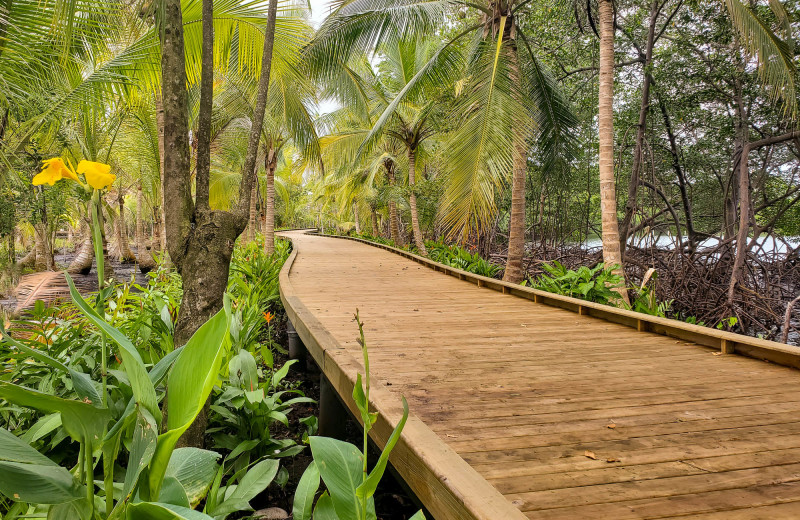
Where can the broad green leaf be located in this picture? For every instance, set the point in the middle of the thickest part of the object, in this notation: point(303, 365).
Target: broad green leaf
point(159, 511)
point(340, 466)
point(74, 510)
point(368, 487)
point(189, 385)
point(305, 493)
point(42, 427)
point(172, 492)
point(195, 469)
point(143, 389)
point(325, 509)
point(28, 476)
point(254, 482)
point(278, 376)
point(82, 421)
point(143, 445)
point(419, 515)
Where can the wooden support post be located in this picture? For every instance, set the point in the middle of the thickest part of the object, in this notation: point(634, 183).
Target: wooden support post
point(536, 299)
point(296, 348)
point(332, 413)
point(582, 310)
point(641, 325)
point(480, 283)
point(726, 347)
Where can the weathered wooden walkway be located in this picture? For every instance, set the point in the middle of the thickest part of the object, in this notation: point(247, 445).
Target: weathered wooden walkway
point(524, 409)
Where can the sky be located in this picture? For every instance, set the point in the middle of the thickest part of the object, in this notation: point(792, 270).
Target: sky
point(319, 11)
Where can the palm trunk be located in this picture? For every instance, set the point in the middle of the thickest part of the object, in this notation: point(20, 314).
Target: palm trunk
point(516, 225)
point(355, 217)
point(612, 255)
point(82, 263)
point(162, 220)
point(252, 220)
point(124, 252)
point(394, 220)
point(269, 220)
point(44, 251)
point(139, 238)
point(374, 221)
point(412, 199)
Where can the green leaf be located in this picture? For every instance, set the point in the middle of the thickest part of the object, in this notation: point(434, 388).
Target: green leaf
point(75, 510)
point(195, 469)
point(305, 493)
point(278, 376)
point(325, 509)
point(419, 515)
point(159, 511)
point(28, 476)
point(340, 466)
point(143, 389)
point(172, 492)
point(368, 487)
point(83, 422)
point(254, 482)
point(143, 445)
point(189, 384)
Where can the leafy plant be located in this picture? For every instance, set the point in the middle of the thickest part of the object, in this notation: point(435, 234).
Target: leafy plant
point(247, 409)
point(103, 427)
point(343, 467)
point(596, 284)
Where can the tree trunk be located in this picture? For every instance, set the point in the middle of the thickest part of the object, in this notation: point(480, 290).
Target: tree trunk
point(355, 217)
point(252, 219)
point(269, 220)
point(412, 199)
point(374, 221)
point(608, 198)
point(633, 187)
point(161, 221)
point(516, 225)
point(125, 255)
point(394, 220)
point(44, 251)
point(82, 263)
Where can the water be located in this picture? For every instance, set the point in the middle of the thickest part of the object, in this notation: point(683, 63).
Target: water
point(769, 244)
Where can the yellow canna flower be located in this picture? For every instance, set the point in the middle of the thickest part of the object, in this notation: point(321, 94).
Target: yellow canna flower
point(97, 174)
point(53, 170)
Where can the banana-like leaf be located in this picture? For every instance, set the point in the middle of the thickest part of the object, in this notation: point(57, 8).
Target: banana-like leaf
point(82, 421)
point(189, 385)
point(340, 466)
point(28, 476)
point(143, 389)
point(305, 493)
point(253, 482)
point(195, 469)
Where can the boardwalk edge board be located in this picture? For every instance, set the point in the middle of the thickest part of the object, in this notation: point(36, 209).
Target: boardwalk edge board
point(724, 341)
point(448, 487)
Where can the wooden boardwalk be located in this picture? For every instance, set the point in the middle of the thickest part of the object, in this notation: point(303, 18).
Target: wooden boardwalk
point(521, 409)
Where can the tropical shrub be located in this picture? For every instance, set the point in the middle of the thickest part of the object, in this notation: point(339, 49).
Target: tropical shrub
point(597, 284)
point(460, 258)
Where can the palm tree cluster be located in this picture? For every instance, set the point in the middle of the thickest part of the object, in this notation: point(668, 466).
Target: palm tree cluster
point(442, 109)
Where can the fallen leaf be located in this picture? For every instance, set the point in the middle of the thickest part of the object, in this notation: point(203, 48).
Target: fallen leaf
point(716, 353)
point(590, 454)
point(612, 426)
point(612, 460)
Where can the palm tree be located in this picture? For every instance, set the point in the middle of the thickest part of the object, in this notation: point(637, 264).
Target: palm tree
point(612, 254)
point(508, 101)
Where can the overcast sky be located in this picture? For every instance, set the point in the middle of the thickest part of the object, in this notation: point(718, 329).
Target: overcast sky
point(319, 10)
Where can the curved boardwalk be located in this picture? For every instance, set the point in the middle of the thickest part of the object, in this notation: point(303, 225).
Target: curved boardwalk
point(523, 407)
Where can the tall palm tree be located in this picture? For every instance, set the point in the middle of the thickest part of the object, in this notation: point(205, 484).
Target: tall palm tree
point(507, 104)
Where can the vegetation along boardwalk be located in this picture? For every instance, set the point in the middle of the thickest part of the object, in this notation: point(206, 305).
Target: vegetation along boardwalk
point(520, 408)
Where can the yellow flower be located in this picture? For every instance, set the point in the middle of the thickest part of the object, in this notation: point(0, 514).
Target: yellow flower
point(53, 170)
point(97, 174)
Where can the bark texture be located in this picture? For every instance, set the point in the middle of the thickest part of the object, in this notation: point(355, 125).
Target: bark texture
point(516, 226)
point(412, 200)
point(612, 255)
